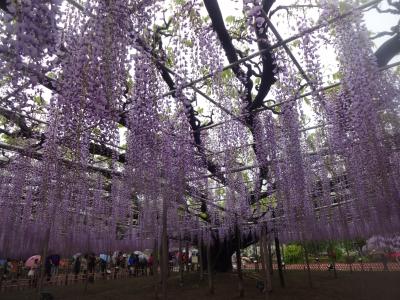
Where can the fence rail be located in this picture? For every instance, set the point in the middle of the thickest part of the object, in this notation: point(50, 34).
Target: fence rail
point(368, 266)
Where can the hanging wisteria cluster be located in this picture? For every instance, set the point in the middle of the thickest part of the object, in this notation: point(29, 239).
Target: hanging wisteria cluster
point(128, 153)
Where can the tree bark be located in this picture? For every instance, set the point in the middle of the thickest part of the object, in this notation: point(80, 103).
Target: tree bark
point(222, 252)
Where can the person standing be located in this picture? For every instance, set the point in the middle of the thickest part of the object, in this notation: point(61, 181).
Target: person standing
point(32, 274)
point(55, 263)
point(91, 263)
point(48, 267)
point(91, 266)
point(131, 259)
point(103, 267)
point(84, 264)
point(150, 263)
point(77, 267)
point(6, 269)
point(20, 267)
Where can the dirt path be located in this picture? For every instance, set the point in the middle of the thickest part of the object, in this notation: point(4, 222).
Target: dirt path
point(355, 286)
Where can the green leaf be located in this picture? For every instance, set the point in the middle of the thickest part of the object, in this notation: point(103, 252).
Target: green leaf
point(230, 19)
point(307, 101)
point(203, 215)
point(310, 140)
point(38, 100)
point(129, 83)
point(337, 76)
point(343, 7)
point(188, 43)
point(295, 43)
point(206, 19)
point(51, 75)
point(220, 191)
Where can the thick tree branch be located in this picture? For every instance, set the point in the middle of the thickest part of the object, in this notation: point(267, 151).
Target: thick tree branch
point(231, 53)
point(25, 130)
point(268, 63)
point(388, 50)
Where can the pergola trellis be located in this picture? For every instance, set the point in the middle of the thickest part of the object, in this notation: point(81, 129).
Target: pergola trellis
point(281, 43)
point(192, 84)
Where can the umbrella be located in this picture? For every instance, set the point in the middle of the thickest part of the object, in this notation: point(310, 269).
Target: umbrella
point(148, 252)
point(76, 255)
point(30, 262)
point(105, 257)
point(141, 255)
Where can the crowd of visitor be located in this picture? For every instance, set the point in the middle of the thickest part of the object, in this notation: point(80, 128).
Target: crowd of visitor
point(84, 265)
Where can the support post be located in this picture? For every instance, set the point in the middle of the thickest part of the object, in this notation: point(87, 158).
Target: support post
point(279, 261)
point(333, 257)
point(187, 257)
point(265, 259)
point(239, 262)
point(180, 262)
point(156, 260)
point(262, 254)
point(201, 259)
point(164, 255)
point(271, 268)
point(43, 260)
point(348, 258)
point(209, 268)
point(307, 264)
point(257, 265)
point(384, 262)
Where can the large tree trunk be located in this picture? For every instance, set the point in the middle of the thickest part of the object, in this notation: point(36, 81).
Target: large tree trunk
point(221, 252)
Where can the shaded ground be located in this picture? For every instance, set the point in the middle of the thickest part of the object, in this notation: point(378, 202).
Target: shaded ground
point(357, 286)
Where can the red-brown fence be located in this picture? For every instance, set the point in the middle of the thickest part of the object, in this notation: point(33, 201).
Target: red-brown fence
point(368, 266)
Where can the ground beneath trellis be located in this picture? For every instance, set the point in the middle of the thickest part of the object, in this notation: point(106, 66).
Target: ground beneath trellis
point(359, 285)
